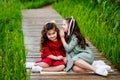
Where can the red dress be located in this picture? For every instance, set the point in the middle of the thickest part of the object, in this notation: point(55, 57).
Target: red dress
point(55, 48)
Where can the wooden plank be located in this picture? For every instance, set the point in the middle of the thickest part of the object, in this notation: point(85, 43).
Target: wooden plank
point(32, 34)
point(33, 48)
point(32, 40)
point(37, 23)
point(32, 30)
point(33, 26)
point(32, 20)
point(114, 72)
point(33, 54)
point(74, 77)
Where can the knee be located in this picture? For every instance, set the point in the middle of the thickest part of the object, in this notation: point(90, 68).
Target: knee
point(61, 67)
point(78, 62)
point(42, 64)
point(75, 69)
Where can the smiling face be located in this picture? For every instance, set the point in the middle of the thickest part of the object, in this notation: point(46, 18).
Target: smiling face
point(65, 26)
point(52, 34)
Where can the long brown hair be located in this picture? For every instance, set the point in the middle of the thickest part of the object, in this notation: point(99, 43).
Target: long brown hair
point(44, 38)
point(74, 29)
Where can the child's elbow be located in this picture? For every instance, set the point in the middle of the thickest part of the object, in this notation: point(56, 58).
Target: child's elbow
point(68, 50)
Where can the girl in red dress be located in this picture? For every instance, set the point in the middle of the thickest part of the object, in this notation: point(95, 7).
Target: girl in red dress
point(53, 53)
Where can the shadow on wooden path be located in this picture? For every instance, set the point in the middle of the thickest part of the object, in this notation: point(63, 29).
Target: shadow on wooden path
point(33, 21)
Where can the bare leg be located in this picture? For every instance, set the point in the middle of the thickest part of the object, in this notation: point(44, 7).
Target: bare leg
point(81, 66)
point(42, 64)
point(79, 69)
point(84, 65)
point(54, 68)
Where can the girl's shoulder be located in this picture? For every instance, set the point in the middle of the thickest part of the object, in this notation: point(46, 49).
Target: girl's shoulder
point(73, 36)
point(73, 39)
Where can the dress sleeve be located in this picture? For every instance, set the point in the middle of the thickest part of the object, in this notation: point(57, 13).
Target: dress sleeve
point(71, 45)
point(46, 51)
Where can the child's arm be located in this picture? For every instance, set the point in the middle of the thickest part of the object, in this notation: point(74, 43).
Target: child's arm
point(68, 47)
point(62, 34)
point(65, 59)
point(55, 57)
point(48, 54)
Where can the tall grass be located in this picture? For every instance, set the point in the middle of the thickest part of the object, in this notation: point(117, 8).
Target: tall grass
point(99, 22)
point(12, 53)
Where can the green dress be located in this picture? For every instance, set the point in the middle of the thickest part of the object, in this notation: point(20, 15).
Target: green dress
point(75, 52)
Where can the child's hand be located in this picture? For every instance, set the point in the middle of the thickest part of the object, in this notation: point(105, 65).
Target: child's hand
point(59, 57)
point(62, 34)
point(65, 60)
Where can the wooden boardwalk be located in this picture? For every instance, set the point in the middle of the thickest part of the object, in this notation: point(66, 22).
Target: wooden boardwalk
point(33, 21)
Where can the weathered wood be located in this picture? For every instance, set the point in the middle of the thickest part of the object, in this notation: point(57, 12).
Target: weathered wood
point(74, 76)
point(38, 20)
point(38, 23)
point(32, 40)
point(32, 34)
point(33, 21)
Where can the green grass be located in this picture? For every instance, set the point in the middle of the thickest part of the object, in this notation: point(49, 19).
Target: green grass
point(12, 53)
point(99, 22)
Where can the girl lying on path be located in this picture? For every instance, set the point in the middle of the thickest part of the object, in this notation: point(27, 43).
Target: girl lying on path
point(53, 53)
point(79, 55)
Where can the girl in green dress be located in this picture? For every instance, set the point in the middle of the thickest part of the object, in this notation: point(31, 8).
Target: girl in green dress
point(79, 55)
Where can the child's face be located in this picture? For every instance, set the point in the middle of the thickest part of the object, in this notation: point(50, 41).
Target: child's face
point(65, 26)
point(52, 35)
